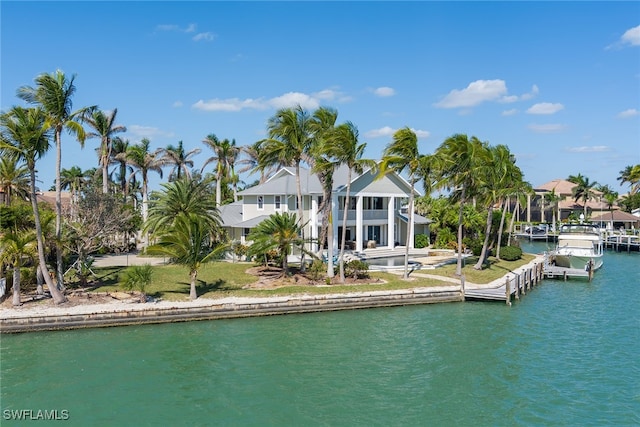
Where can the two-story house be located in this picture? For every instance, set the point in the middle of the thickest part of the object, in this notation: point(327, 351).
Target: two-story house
point(376, 216)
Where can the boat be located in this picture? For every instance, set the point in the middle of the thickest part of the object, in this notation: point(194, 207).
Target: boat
point(580, 247)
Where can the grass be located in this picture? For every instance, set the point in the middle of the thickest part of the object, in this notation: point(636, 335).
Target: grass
point(224, 279)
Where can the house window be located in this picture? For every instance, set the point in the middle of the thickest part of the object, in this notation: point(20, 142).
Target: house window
point(352, 202)
point(260, 203)
point(277, 203)
point(246, 231)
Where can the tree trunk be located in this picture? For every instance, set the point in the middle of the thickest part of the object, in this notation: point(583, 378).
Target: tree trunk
point(330, 271)
point(485, 244)
point(460, 213)
point(409, 232)
point(57, 295)
point(343, 238)
point(59, 265)
point(105, 168)
point(192, 292)
point(219, 186)
point(513, 218)
point(300, 213)
point(501, 229)
point(16, 285)
point(39, 281)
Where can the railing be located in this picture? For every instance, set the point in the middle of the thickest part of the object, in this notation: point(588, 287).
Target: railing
point(367, 214)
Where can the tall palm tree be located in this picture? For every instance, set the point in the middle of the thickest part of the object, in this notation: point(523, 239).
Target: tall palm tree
point(75, 180)
point(187, 242)
point(631, 175)
point(458, 157)
point(288, 143)
point(611, 198)
point(225, 154)
point(144, 161)
point(25, 136)
point(402, 155)
point(180, 160)
point(347, 150)
point(14, 179)
point(104, 127)
point(119, 149)
point(54, 93)
point(280, 232)
point(250, 162)
point(584, 190)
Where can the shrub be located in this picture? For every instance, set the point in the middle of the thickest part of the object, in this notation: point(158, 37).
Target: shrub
point(510, 253)
point(357, 269)
point(137, 277)
point(316, 269)
point(445, 239)
point(474, 244)
point(422, 241)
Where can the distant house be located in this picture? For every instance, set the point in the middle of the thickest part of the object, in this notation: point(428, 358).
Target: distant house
point(540, 209)
point(377, 213)
point(617, 219)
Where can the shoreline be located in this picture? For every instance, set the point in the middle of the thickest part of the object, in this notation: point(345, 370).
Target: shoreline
point(121, 313)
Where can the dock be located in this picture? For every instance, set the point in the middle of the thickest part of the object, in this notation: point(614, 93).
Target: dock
point(622, 242)
point(511, 287)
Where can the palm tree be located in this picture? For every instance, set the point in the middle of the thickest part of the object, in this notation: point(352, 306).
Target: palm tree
point(288, 143)
point(611, 198)
point(346, 150)
point(118, 157)
point(14, 179)
point(251, 162)
point(225, 154)
point(104, 128)
point(25, 137)
point(54, 93)
point(402, 155)
point(15, 249)
point(180, 160)
point(631, 175)
point(182, 197)
point(187, 242)
point(458, 156)
point(279, 232)
point(75, 180)
point(584, 190)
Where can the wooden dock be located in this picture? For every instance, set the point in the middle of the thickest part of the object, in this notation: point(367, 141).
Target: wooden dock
point(622, 242)
point(514, 285)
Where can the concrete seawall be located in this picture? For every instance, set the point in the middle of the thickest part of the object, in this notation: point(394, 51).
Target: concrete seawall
point(225, 309)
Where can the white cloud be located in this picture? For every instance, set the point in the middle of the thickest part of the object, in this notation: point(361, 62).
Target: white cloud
point(384, 91)
point(208, 36)
point(631, 36)
point(545, 108)
point(534, 92)
point(191, 28)
point(511, 112)
point(588, 149)
point(475, 93)
point(631, 112)
point(389, 131)
point(548, 128)
point(148, 132)
point(287, 100)
point(177, 104)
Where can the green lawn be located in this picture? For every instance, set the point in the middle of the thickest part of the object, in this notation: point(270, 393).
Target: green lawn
point(222, 279)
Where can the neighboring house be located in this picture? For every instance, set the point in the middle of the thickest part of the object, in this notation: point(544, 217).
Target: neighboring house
point(539, 209)
point(377, 214)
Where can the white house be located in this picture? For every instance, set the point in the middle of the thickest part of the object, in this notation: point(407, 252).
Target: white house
point(377, 214)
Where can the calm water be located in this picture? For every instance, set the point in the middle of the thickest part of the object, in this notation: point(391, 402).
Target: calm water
point(567, 354)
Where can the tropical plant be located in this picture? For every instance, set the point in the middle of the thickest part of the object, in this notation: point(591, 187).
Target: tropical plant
point(16, 249)
point(14, 179)
point(631, 175)
point(137, 278)
point(180, 160)
point(188, 242)
point(25, 137)
point(104, 127)
point(583, 190)
point(225, 154)
point(280, 232)
point(399, 156)
point(53, 93)
point(345, 148)
point(119, 149)
point(288, 143)
point(75, 180)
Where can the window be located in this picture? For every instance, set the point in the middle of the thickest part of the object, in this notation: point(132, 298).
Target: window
point(277, 203)
point(246, 231)
point(260, 203)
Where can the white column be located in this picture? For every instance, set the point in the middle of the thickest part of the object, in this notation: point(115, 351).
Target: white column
point(528, 208)
point(390, 220)
point(411, 225)
point(359, 242)
point(313, 223)
point(335, 221)
point(542, 208)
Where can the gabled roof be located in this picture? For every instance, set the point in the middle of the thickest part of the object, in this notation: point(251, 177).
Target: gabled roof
point(231, 214)
point(284, 182)
point(618, 216)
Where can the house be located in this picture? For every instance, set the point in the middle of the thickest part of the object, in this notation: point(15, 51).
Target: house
point(540, 209)
point(377, 213)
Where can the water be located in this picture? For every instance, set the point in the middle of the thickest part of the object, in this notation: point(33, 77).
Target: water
point(394, 261)
point(566, 354)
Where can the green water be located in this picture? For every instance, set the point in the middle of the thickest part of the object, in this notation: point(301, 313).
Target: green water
point(566, 354)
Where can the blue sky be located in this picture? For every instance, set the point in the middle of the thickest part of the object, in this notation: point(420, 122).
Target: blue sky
point(558, 82)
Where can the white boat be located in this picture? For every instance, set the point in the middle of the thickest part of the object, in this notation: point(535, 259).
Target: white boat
point(580, 246)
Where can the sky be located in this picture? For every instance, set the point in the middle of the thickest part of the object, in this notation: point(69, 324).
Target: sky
point(557, 82)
